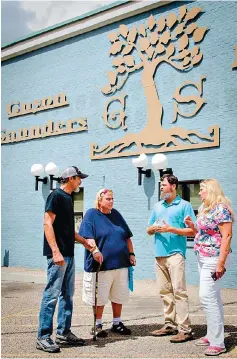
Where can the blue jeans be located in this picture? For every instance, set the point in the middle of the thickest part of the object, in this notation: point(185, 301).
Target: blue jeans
point(60, 287)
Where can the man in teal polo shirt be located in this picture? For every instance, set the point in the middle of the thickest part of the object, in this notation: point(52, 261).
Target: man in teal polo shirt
point(167, 224)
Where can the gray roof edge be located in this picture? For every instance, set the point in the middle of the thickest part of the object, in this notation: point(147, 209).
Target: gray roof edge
point(67, 22)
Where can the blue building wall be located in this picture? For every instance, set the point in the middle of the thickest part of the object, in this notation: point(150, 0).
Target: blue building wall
point(78, 68)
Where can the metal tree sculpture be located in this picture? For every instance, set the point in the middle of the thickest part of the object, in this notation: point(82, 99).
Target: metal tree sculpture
point(166, 40)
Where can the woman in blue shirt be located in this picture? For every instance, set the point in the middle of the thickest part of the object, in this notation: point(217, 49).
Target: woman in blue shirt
point(112, 257)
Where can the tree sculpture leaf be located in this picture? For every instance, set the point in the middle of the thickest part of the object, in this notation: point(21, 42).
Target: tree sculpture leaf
point(113, 36)
point(160, 49)
point(183, 42)
point(118, 61)
point(181, 55)
point(106, 89)
point(186, 61)
point(197, 59)
point(112, 77)
point(127, 49)
point(144, 43)
point(129, 60)
point(171, 20)
point(182, 12)
point(192, 13)
point(165, 37)
point(154, 38)
point(123, 30)
point(116, 47)
point(161, 24)
point(189, 30)
point(178, 30)
point(142, 30)
point(195, 51)
point(199, 34)
point(150, 52)
point(121, 69)
point(151, 22)
point(170, 50)
point(132, 35)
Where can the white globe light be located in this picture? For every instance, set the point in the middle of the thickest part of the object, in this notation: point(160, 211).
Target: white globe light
point(141, 161)
point(37, 169)
point(51, 169)
point(159, 161)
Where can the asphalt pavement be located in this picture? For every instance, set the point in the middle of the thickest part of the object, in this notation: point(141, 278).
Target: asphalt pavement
point(21, 296)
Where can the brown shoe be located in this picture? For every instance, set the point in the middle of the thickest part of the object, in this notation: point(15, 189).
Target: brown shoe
point(181, 337)
point(166, 330)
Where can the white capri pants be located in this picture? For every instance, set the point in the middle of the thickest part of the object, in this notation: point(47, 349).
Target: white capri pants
point(112, 285)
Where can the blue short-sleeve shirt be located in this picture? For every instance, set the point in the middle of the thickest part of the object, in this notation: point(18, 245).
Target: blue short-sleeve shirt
point(110, 232)
point(173, 213)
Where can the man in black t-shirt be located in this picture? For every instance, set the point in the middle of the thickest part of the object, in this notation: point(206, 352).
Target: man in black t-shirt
point(59, 239)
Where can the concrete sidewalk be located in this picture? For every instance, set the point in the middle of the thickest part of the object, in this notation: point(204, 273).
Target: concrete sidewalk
point(21, 295)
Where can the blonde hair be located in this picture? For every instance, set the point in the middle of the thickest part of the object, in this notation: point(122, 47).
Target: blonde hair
point(100, 195)
point(215, 195)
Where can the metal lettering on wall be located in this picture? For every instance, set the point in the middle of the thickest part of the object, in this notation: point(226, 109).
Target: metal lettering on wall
point(48, 129)
point(166, 40)
point(198, 100)
point(20, 109)
point(112, 122)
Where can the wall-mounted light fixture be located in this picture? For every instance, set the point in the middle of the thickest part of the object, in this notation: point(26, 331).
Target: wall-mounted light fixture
point(160, 162)
point(37, 170)
point(52, 170)
point(141, 162)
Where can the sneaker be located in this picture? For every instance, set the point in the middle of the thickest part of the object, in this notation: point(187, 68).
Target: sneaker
point(47, 345)
point(181, 337)
point(100, 333)
point(165, 330)
point(214, 351)
point(69, 339)
point(120, 329)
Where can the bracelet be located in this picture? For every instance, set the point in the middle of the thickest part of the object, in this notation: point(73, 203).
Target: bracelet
point(95, 251)
point(131, 254)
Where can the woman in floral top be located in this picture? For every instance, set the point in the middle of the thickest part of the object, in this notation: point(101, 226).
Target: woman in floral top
point(213, 232)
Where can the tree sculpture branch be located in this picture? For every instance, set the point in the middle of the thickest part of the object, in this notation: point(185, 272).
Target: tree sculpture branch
point(178, 66)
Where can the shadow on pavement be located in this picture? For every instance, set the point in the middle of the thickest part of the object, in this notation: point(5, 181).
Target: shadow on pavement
point(146, 329)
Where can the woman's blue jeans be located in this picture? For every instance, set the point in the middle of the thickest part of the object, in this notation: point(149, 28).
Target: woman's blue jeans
point(60, 288)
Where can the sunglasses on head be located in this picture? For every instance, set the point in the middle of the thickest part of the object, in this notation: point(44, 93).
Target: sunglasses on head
point(104, 191)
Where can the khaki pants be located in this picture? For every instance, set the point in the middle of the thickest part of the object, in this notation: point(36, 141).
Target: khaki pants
point(170, 274)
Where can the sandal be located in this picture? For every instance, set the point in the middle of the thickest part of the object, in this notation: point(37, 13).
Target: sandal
point(202, 342)
point(213, 350)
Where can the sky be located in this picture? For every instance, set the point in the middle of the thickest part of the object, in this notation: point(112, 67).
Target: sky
point(20, 18)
